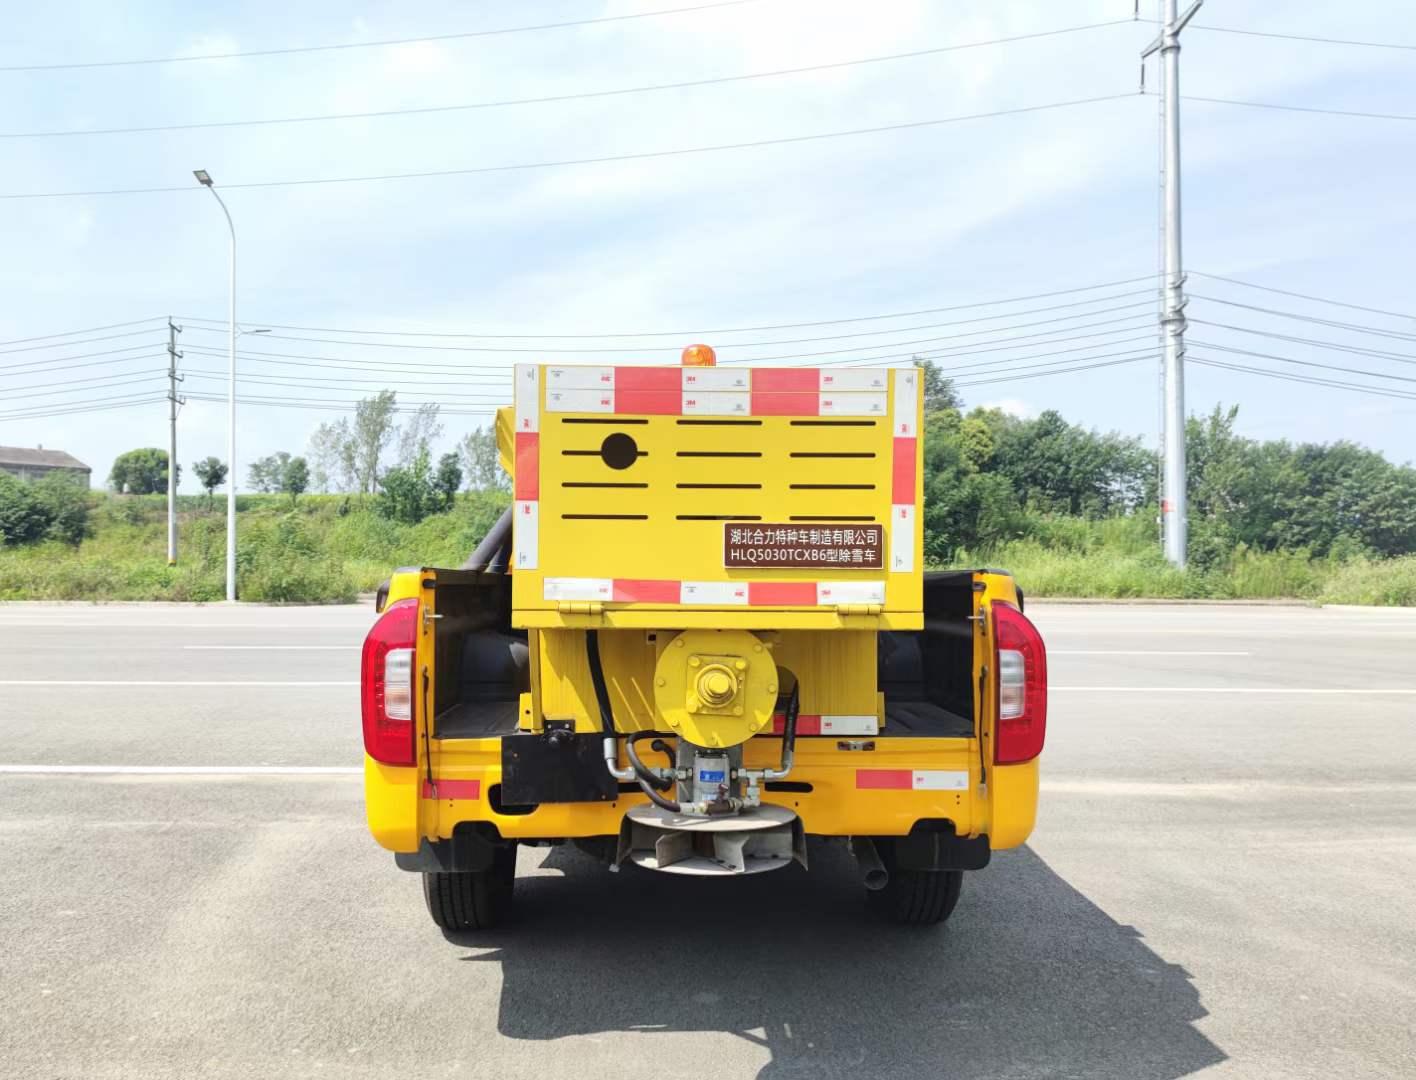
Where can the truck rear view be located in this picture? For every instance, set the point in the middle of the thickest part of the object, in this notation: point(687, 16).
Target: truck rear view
point(700, 637)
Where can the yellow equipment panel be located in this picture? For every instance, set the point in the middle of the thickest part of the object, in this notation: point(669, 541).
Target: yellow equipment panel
point(626, 477)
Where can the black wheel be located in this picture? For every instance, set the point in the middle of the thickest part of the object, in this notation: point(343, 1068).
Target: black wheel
point(473, 901)
point(915, 897)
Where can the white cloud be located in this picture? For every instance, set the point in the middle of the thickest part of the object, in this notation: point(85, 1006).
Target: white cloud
point(1023, 410)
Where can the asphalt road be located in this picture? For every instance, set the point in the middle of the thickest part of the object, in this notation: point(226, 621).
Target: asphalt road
point(1220, 882)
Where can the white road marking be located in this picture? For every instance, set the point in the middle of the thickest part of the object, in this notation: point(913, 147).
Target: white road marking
point(185, 770)
point(1109, 652)
point(1251, 789)
point(1231, 690)
point(290, 648)
point(165, 682)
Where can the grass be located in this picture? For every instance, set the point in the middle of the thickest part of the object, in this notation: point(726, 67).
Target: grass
point(325, 549)
point(1120, 558)
point(330, 548)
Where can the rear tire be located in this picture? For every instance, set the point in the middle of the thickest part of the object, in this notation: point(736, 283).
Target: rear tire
point(477, 900)
point(915, 897)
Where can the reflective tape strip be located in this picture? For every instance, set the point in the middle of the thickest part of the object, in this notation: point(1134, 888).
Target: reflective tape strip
point(643, 591)
point(526, 394)
point(902, 473)
point(698, 379)
point(716, 403)
point(580, 400)
point(828, 725)
point(831, 593)
point(877, 379)
point(580, 378)
point(911, 780)
point(902, 538)
point(528, 466)
point(452, 789)
point(526, 534)
point(906, 403)
point(561, 588)
point(850, 404)
point(714, 593)
point(721, 593)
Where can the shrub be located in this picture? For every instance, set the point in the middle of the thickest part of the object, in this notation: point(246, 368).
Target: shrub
point(23, 517)
point(66, 504)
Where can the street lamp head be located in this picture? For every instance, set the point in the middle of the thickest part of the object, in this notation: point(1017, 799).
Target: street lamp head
point(203, 177)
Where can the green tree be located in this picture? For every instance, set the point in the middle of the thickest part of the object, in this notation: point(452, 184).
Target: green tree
point(65, 504)
point(140, 472)
point(210, 474)
point(939, 392)
point(481, 461)
point(418, 433)
point(408, 494)
point(448, 479)
point(296, 478)
point(370, 436)
point(22, 515)
point(267, 474)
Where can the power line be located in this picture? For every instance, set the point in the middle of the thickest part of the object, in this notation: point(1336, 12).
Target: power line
point(1303, 296)
point(1054, 371)
point(1304, 37)
point(607, 159)
point(84, 341)
point(1305, 363)
point(1355, 350)
point(47, 413)
point(74, 384)
point(1378, 391)
point(1300, 108)
point(75, 333)
point(54, 360)
point(555, 98)
point(374, 44)
point(721, 329)
point(1359, 328)
point(619, 349)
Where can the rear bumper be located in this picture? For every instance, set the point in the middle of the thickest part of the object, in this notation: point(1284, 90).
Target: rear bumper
point(884, 792)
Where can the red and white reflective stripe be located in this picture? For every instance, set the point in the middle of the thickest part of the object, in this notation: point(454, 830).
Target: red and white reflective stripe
point(903, 474)
point(829, 725)
point(715, 593)
point(452, 789)
point(912, 780)
point(526, 512)
point(696, 391)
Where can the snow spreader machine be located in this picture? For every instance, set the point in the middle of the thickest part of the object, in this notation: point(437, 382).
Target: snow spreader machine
point(701, 641)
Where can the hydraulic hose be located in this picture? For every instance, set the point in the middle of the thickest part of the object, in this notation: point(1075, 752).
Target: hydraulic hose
point(645, 775)
point(607, 716)
point(788, 737)
point(497, 536)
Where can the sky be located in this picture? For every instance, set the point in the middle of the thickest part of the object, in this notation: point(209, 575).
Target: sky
point(1019, 250)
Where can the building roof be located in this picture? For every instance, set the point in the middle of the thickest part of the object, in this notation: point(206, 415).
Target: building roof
point(52, 459)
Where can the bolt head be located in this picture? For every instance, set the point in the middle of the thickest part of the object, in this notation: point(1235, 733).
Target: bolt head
point(693, 661)
point(771, 688)
point(661, 681)
point(737, 710)
point(741, 665)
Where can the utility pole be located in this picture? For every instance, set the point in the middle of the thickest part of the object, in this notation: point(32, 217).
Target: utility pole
point(173, 402)
point(1172, 303)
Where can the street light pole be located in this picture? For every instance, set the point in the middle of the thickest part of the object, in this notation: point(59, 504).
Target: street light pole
point(204, 178)
point(1172, 315)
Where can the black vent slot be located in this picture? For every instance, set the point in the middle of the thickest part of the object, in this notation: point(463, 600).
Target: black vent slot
point(604, 517)
point(719, 423)
point(832, 453)
point(617, 420)
point(720, 453)
point(832, 487)
point(718, 517)
point(833, 423)
point(719, 487)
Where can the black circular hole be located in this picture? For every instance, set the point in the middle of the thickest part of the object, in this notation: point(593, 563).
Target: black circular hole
point(619, 451)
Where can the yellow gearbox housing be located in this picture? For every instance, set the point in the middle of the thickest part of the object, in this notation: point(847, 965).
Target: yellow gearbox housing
point(716, 687)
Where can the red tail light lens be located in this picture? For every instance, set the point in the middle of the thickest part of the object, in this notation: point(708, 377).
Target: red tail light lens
point(1020, 667)
point(386, 685)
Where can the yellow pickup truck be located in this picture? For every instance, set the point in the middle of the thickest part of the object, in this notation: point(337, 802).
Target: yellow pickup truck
point(700, 638)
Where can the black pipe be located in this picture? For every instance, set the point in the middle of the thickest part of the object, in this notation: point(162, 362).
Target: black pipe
point(658, 800)
point(497, 537)
point(645, 774)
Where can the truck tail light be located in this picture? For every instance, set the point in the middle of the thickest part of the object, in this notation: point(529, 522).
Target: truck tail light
point(1020, 661)
point(386, 685)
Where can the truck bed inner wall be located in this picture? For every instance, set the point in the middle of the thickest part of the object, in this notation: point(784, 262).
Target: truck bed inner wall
point(927, 676)
point(481, 663)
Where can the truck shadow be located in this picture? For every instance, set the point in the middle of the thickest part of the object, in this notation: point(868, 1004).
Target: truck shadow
point(1029, 978)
